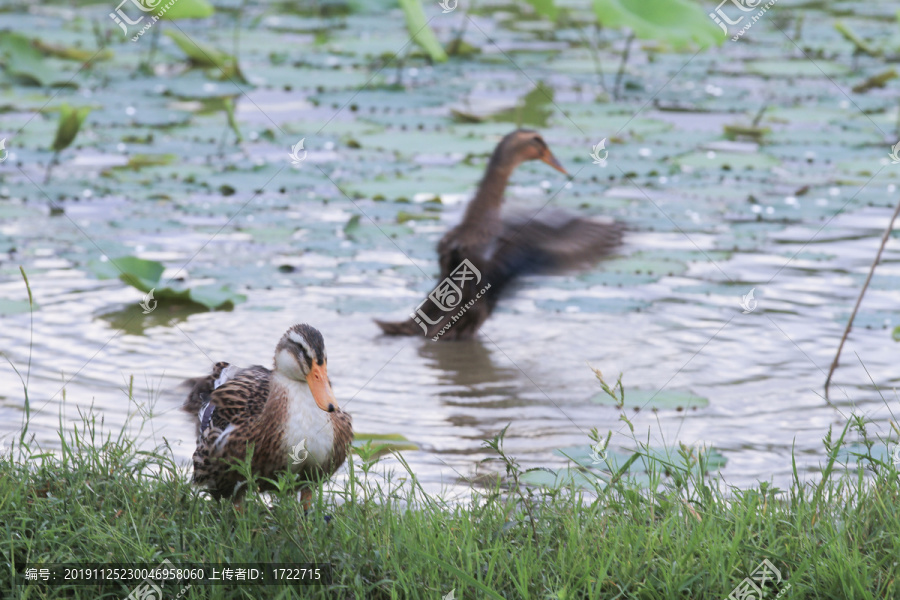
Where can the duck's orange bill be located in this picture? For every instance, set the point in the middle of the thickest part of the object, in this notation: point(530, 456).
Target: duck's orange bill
point(551, 160)
point(321, 388)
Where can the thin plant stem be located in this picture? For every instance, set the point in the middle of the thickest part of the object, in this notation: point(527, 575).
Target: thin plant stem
point(621, 72)
point(759, 115)
point(595, 54)
point(31, 332)
point(884, 239)
point(456, 43)
point(25, 380)
point(50, 165)
point(154, 40)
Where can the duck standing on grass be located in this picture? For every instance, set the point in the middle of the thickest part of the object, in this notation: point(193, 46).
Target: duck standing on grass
point(288, 414)
point(482, 255)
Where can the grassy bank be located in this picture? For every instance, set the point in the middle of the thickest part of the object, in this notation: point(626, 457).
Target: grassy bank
point(104, 500)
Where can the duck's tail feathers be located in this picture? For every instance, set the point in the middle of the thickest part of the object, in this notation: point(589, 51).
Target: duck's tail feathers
point(407, 327)
point(200, 389)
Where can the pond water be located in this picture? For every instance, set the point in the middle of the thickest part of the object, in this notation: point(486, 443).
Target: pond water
point(349, 234)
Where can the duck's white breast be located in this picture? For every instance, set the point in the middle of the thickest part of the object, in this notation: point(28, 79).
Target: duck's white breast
point(304, 420)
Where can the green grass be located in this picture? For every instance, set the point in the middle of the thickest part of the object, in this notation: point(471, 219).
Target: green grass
point(105, 500)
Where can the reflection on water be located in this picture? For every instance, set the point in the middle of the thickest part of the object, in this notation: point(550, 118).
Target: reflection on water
point(132, 318)
point(466, 369)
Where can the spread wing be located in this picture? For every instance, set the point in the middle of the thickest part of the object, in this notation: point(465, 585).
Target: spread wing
point(555, 243)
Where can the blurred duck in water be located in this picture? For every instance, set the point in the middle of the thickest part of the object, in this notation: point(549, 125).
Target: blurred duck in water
point(482, 255)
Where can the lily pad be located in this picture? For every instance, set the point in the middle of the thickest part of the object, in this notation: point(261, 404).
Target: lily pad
point(612, 460)
point(796, 68)
point(552, 478)
point(23, 60)
point(593, 471)
point(726, 160)
point(850, 454)
point(14, 307)
point(383, 443)
point(654, 399)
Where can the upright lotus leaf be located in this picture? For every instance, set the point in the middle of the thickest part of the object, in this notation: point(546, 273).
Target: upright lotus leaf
point(861, 45)
point(676, 22)
point(352, 227)
point(421, 31)
point(228, 105)
point(145, 275)
point(545, 8)
point(533, 109)
point(71, 52)
point(70, 120)
point(137, 272)
point(206, 56)
point(182, 9)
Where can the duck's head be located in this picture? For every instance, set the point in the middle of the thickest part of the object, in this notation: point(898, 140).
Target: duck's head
point(523, 145)
point(300, 355)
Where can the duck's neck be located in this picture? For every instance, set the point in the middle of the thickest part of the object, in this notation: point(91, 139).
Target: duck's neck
point(484, 209)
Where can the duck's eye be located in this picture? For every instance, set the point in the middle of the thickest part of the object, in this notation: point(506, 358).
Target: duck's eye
point(304, 357)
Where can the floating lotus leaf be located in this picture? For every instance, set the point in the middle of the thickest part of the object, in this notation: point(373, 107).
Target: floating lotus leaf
point(383, 443)
point(734, 161)
point(654, 399)
point(9, 306)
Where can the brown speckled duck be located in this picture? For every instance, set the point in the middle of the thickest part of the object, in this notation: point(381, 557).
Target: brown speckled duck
point(289, 414)
point(482, 255)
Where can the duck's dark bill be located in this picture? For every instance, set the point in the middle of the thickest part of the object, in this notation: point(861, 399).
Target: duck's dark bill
point(551, 160)
point(321, 388)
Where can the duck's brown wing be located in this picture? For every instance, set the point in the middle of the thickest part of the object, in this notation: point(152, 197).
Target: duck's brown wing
point(225, 404)
point(240, 399)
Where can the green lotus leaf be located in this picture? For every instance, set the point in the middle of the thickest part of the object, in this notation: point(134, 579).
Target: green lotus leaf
point(676, 22)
